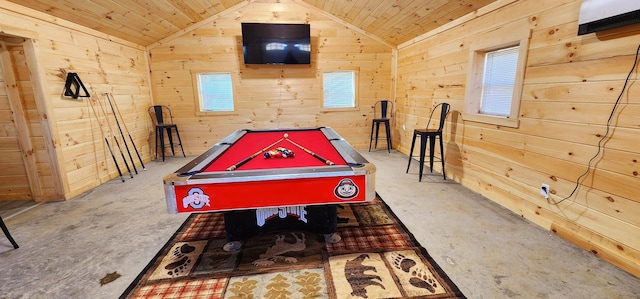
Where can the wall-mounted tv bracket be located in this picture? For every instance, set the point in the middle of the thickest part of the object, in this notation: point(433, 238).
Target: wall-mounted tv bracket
point(73, 85)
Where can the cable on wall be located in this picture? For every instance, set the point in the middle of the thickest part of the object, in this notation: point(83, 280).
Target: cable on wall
point(606, 134)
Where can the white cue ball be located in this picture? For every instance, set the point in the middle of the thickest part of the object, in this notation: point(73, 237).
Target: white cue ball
point(286, 135)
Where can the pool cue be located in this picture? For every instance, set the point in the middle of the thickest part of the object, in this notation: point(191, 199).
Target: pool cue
point(115, 138)
point(106, 140)
point(235, 166)
point(126, 146)
point(130, 138)
point(93, 143)
point(325, 161)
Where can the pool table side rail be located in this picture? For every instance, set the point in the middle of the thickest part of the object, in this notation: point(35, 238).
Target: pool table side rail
point(190, 173)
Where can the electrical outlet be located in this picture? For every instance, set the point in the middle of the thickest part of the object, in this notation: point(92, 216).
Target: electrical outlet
point(544, 190)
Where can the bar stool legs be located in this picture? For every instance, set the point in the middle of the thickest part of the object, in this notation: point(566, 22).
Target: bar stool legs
point(160, 137)
point(6, 233)
point(376, 124)
point(163, 120)
point(180, 142)
point(382, 112)
point(431, 136)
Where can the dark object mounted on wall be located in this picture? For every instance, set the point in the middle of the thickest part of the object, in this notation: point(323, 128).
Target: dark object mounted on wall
point(73, 85)
point(599, 15)
point(266, 43)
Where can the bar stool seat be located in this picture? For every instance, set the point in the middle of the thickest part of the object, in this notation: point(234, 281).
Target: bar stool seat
point(159, 115)
point(6, 233)
point(431, 135)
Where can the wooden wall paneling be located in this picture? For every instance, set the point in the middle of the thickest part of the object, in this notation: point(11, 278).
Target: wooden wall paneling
point(14, 178)
point(32, 119)
point(105, 64)
point(570, 86)
point(22, 132)
point(618, 207)
point(570, 112)
point(581, 92)
point(611, 68)
point(518, 172)
point(552, 164)
point(601, 246)
point(270, 96)
point(46, 114)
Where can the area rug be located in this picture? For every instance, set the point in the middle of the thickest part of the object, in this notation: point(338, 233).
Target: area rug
point(376, 258)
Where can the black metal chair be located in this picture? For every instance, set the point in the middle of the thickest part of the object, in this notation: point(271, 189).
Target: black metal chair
point(160, 114)
point(6, 233)
point(385, 108)
point(432, 135)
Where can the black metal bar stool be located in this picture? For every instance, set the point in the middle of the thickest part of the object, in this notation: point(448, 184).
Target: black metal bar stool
point(160, 114)
point(430, 134)
point(6, 233)
point(385, 107)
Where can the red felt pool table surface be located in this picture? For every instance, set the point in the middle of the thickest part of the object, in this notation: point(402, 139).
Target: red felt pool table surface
point(253, 142)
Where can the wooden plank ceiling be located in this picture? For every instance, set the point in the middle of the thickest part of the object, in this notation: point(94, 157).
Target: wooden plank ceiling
point(147, 21)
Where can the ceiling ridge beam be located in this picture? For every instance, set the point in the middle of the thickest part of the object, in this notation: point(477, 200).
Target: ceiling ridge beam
point(344, 23)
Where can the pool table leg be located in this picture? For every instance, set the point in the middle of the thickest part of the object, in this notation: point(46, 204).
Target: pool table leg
point(330, 227)
point(232, 246)
point(332, 238)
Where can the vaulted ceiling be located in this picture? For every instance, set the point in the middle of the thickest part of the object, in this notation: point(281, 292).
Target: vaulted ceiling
point(147, 21)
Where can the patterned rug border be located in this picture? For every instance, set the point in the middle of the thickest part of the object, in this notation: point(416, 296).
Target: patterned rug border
point(161, 252)
point(451, 287)
point(423, 250)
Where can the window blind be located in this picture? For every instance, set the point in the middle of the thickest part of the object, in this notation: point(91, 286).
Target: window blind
point(216, 92)
point(339, 89)
point(498, 81)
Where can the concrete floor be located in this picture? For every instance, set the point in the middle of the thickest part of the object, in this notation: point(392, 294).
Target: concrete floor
point(489, 252)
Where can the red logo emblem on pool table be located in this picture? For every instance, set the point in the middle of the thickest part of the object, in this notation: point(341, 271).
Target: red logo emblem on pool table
point(346, 189)
point(195, 199)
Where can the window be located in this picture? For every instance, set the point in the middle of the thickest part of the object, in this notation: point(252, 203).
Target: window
point(339, 89)
point(498, 81)
point(494, 82)
point(215, 92)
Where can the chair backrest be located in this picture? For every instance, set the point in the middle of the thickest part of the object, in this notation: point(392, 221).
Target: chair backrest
point(444, 110)
point(160, 115)
point(384, 107)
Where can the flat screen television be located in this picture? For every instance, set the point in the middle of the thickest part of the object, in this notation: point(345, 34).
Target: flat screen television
point(265, 43)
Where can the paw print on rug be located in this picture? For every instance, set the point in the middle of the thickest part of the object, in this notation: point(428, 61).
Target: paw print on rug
point(178, 267)
point(179, 260)
point(402, 263)
point(423, 280)
point(411, 270)
point(182, 250)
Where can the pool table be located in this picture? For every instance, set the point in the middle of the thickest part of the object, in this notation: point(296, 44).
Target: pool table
point(249, 172)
